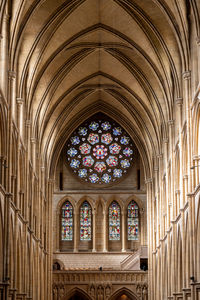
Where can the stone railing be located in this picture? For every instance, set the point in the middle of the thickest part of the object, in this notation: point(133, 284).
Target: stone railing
point(99, 284)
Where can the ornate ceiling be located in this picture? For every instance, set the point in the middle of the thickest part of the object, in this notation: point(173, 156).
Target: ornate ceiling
point(75, 58)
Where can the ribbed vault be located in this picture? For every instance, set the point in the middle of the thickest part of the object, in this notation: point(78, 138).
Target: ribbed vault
point(75, 58)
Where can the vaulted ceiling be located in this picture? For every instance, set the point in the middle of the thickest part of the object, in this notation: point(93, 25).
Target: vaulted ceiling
point(122, 57)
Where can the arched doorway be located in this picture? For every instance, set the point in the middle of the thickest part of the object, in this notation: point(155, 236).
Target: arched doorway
point(123, 294)
point(77, 294)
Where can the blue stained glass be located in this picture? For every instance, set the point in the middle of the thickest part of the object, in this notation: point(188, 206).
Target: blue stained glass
point(67, 222)
point(133, 221)
point(88, 161)
point(75, 140)
point(106, 138)
point(93, 138)
point(97, 148)
point(117, 131)
point(106, 126)
point(85, 148)
point(93, 178)
point(75, 163)
point(72, 152)
point(124, 140)
point(94, 126)
point(127, 151)
point(82, 131)
point(82, 173)
point(117, 173)
point(112, 161)
point(114, 222)
point(115, 148)
point(85, 222)
point(106, 178)
point(125, 163)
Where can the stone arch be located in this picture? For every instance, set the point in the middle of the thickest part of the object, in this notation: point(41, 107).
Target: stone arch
point(61, 264)
point(76, 292)
point(124, 291)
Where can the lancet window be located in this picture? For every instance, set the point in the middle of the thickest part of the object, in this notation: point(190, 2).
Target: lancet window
point(85, 222)
point(114, 222)
point(133, 221)
point(67, 222)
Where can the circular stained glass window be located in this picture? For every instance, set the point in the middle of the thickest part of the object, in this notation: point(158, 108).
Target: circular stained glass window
point(100, 151)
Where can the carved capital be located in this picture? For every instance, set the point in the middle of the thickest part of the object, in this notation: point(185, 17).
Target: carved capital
point(186, 75)
point(198, 40)
point(11, 75)
point(179, 101)
point(171, 123)
point(28, 123)
point(20, 101)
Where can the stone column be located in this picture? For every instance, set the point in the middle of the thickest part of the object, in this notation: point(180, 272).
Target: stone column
point(150, 225)
point(171, 154)
point(179, 103)
point(105, 232)
point(123, 234)
point(49, 240)
point(76, 232)
point(94, 231)
point(4, 54)
point(6, 249)
point(20, 102)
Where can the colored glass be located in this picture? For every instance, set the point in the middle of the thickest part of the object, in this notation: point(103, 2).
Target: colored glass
point(93, 138)
point(106, 126)
point(100, 167)
point(94, 126)
point(133, 221)
point(114, 222)
point(124, 140)
point(112, 161)
point(106, 138)
point(85, 222)
point(85, 148)
point(72, 152)
point(67, 222)
point(82, 131)
point(100, 151)
point(75, 140)
point(115, 148)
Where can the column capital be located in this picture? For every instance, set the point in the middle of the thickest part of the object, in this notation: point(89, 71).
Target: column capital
point(148, 180)
point(20, 101)
point(179, 101)
point(198, 40)
point(171, 123)
point(11, 74)
point(33, 140)
point(186, 75)
point(28, 123)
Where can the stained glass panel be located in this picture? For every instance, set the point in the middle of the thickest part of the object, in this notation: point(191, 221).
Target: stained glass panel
point(99, 151)
point(85, 222)
point(114, 222)
point(133, 221)
point(67, 222)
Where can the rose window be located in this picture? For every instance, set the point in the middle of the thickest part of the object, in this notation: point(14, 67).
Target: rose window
point(100, 151)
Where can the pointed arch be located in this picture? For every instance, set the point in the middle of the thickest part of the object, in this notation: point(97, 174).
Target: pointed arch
point(124, 291)
point(82, 295)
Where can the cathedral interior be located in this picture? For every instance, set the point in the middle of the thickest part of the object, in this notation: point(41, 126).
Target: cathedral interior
point(100, 149)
